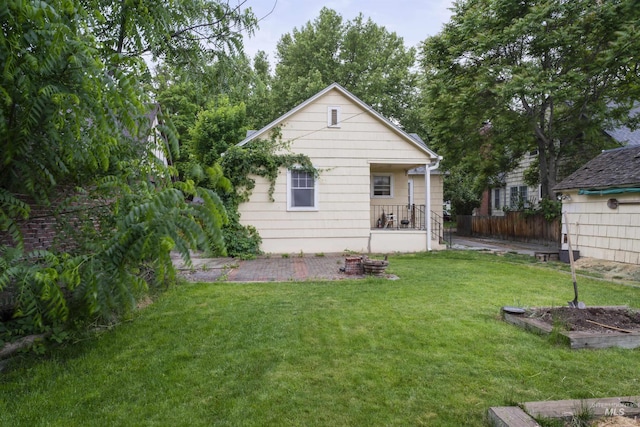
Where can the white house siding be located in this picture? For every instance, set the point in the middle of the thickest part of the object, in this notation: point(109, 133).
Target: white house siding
point(383, 241)
point(515, 179)
point(600, 232)
point(344, 156)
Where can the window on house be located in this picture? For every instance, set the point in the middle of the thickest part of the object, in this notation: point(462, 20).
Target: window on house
point(302, 190)
point(333, 117)
point(382, 186)
point(513, 197)
point(496, 199)
point(519, 196)
point(524, 194)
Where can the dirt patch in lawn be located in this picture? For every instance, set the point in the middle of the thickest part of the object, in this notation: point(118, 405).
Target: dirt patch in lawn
point(609, 269)
point(616, 422)
point(590, 319)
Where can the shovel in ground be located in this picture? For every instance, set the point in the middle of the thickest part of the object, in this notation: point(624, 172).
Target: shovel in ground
point(575, 303)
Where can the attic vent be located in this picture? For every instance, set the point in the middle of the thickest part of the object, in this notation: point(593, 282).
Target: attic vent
point(333, 119)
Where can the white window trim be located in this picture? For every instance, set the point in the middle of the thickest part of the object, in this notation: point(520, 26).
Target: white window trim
point(330, 110)
point(390, 175)
point(314, 208)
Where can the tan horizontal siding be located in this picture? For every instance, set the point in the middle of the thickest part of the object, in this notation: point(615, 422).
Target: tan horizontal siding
point(600, 232)
point(344, 156)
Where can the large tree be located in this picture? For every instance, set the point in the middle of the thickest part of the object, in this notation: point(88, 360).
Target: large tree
point(74, 131)
point(362, 56)
point(505, 77)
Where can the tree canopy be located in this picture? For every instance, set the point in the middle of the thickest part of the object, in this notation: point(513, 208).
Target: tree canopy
point(75, 135)
point(362, 56)
point(185, 32)
point(507, 77)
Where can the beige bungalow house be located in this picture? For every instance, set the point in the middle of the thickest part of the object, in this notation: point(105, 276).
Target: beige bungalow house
point(601, 201)
point(369, 197)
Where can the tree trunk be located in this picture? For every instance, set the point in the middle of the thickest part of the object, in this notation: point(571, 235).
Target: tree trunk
point(547, 159)
point(11, 348)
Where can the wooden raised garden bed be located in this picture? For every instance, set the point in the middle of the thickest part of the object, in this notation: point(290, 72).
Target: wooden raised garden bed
point(598, 334)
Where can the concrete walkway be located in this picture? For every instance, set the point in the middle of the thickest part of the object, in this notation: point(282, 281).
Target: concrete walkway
point(496, 245)
point(310, 267)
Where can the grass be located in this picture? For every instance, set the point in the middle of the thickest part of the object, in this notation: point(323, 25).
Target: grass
point(428, 349)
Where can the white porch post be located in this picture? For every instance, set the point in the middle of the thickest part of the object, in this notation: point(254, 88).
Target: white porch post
point(427, 196)
point(427, 208)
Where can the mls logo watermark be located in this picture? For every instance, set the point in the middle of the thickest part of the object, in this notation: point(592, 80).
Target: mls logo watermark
point(614, 412)
point(615, 409)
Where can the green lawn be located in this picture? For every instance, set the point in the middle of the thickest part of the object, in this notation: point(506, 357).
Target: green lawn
point(428, 349)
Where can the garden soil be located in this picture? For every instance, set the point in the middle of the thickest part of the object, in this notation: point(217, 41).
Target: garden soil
point(617, 422)
point(590, 319)
point(609, 270)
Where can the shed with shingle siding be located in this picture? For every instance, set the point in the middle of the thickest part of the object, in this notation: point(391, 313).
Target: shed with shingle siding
point(601, 201)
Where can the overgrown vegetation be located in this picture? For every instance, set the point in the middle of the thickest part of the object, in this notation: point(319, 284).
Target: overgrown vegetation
point(461, 188)
point(74, 121)
point(550, 209)
point(260, 158)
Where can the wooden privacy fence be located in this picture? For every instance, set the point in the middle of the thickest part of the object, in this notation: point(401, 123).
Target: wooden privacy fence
point(512, 226)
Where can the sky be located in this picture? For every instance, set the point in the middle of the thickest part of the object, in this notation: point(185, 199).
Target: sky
point(413, 20)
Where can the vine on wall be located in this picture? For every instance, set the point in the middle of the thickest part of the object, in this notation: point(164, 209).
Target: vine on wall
point(241, 165)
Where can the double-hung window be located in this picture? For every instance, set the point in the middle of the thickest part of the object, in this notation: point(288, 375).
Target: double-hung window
point(519, 197)
point(302, 191)
point(382, 186)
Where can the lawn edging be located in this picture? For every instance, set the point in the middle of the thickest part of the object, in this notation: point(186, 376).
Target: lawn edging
point(525, 416)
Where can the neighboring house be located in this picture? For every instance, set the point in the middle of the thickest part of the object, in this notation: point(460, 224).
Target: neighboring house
point(512, 193)
point(370, 195)
point(41, 230)
point(601, 201)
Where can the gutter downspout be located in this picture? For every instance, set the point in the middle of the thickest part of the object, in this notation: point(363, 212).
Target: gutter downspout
point(427, 195)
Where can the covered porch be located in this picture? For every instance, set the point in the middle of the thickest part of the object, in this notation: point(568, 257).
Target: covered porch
point(401, 228)
point(405, 212)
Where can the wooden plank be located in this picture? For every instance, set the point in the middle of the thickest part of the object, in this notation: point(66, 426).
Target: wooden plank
point(581, 340)
point(547, 255)
point(598, 407)
point(510, 416)
point(528, 323)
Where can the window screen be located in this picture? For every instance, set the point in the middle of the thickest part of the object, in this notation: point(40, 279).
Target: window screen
point(302, 189)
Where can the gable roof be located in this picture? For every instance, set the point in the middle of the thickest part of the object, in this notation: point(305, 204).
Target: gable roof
point(625, 135)
point(414, 139)
point(619, 167)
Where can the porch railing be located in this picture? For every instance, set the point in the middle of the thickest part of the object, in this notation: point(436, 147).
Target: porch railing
point(400, 217)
